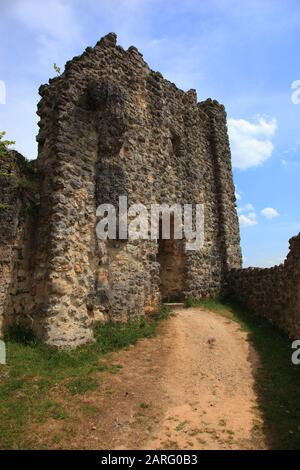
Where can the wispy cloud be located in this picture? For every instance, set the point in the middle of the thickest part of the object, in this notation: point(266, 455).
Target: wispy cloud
point(247, 215)
point(237, 194)
point(53, 22)
point(247, 220)
point(251, 142)
point(246, 208)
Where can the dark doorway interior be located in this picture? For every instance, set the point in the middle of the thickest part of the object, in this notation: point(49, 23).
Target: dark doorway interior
point(172, 266)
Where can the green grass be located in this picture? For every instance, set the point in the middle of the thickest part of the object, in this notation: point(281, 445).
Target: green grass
point(89, 410)
point(82, 385)
point(50, 408)
point(181, 426)
point(277, 380)
point(210, 304)
point(3, 205)
point(34, 372)
point(144, 406)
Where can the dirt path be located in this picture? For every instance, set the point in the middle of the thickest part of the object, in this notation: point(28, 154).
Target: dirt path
point(211, 401)
point(191, 387)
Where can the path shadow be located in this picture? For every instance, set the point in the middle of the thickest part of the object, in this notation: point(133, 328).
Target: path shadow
point(277, 380)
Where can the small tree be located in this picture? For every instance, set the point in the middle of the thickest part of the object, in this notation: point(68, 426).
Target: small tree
point(4, 143)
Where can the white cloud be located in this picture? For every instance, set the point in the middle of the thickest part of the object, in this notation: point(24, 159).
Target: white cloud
point(247, 220)
point(251, 142)
point(247, 215)
point(238, 194)
point(269, 213)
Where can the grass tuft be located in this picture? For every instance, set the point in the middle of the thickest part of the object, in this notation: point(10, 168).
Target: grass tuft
point(82, 385)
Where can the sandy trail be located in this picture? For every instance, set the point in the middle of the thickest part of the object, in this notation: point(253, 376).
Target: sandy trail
point(191, 387)
point(210, 387)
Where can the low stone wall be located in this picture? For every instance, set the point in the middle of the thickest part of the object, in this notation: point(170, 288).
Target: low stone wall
point(273, 293)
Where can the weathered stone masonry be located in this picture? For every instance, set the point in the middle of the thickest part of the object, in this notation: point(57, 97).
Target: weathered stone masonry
point(110, 126)
point(19, 199)
point(274, 292)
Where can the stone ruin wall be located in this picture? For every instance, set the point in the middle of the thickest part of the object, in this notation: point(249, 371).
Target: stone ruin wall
point(9, 233)
point(109, 126)
point(19, 200)
point(273, 293)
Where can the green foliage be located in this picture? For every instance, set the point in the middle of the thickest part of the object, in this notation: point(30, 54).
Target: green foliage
point(4, 205)
point(4, 144)
point(181, 426)
point(144, 406)
point(49, 409)
point(189, 302)
point(5, 173)
point(164, 313)
point(16, 167)
point(22, 173)
point(57, 69)
point(114, 336)
point(210, 304)
point(27, 179)
point(82, 385)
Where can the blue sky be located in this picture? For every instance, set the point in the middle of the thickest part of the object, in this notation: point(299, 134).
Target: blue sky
point(243, 53)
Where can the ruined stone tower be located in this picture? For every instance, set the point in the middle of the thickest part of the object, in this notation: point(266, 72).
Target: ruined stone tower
point(109, 127)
